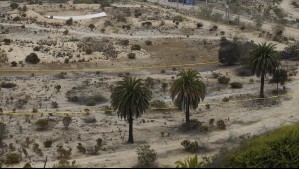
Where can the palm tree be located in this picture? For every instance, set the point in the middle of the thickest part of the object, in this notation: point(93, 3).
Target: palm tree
point(130, 98)
point(264, 60)
point(188, 90)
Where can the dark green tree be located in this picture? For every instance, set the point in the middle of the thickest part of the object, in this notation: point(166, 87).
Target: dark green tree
point(280, 76)
point(187, 91)
point(130, 97)
point(264, 60)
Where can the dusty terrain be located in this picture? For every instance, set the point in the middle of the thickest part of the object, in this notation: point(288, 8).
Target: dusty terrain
point(175, 46)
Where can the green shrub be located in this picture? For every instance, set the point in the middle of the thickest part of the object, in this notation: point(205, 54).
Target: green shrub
point(42, 124)
point(136, 47)
point(91, 26)
point(148, 42)
point(65, 164)
point(32, 58)
point(191, 162)
point(132, 56)
point(83, 1)
point(244, 72)
point(67, 121)
point(223, 80)
point(229, 52)
point(276, 149)
point(103, 3)
point(8, 85)
point(221, 125)
point(69, 22)
point(27, 165)
point(199, 25)
point(295, 4)
point(121, 18)
point(146, 156)
point(2, 128)
point(88, 51)
point(36, 48)
point(137, 14)
point(64, 153)
point(193, 125)
point(12, 158)
point(48, 143)
point(81, 148)
point(236, 85)
point(190, 146)
point(14, 63)
point(14, 5)
point(17, 18)
point(7, 41)
point(66, 60)
point(159, 104)
point(225, 99)
point(124, 42)
point(178, 18)
point(91, 102)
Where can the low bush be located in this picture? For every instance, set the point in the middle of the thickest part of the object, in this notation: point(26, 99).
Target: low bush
point(132, 56)
point(48, 143)
point(2, 128)
point(146, 156)
point(193, 125)
point(199, 25)
point(221, 125)
point(124, 42)
point(178, 18)
point(81, 148)
point(88, 51)
point(244, 72)
point(65, 164)
point(223, 80)
point(8, 85)
point(135, 47)
point(64, 153)
point(225, 99)
point(42, 124)
point(190, 146)
point(236, 85)
point(32, 58)
point(67, 121)
point(13, 158)
point(148, 42)
point(17, 18)
point(159, 104)
point(91, 102)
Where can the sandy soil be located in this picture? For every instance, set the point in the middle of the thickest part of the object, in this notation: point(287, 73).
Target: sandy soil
point(93, 75)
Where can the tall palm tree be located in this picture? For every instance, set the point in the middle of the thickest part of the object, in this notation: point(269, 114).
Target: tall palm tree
point(264, 60)
point(130, 98)
point(188, 90)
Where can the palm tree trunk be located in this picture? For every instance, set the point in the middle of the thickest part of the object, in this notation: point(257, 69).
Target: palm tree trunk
point(262, 85)
point(187, 113)
point(131, 139)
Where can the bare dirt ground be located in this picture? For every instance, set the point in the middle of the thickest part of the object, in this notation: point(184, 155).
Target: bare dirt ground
point(175, 46)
